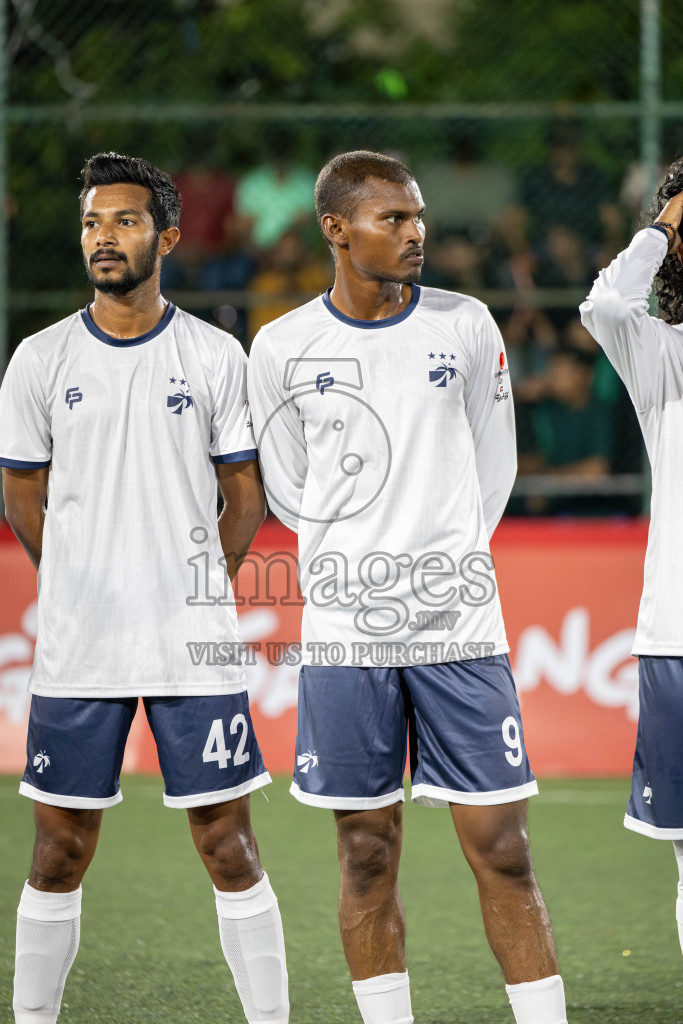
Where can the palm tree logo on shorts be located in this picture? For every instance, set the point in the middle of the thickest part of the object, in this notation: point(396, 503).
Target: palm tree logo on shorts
point(306, 761)
point(41, 761)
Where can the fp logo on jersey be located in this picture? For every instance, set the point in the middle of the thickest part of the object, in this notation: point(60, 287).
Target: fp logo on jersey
point(359, 449)
point(324, 380)
point(73, 395)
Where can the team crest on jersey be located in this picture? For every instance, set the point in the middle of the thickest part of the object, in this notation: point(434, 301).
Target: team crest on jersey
point(502, 392)
point(441, 374)
point(182, 399)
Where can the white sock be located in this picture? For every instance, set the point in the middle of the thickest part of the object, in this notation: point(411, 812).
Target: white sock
point(253, 944)
point(48, 930)
point(678, 850)
point(384, 999)
point(538, 1002)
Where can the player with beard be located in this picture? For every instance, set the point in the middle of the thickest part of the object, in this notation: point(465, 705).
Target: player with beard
point(386, 436)
point(131, 412)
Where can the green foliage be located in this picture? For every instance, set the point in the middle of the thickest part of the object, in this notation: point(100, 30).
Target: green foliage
point(545, 50)
point(265, 50)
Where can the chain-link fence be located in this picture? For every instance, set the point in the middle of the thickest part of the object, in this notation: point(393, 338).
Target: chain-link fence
point(534, 130)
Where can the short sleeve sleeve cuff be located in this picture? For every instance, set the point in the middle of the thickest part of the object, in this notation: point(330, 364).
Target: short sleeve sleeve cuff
point(243, 456)
point(22, 464)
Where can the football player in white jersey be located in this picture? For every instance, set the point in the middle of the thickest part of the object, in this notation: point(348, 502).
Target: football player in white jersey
point(385, 430)
point(127, 414)
point(647, 353)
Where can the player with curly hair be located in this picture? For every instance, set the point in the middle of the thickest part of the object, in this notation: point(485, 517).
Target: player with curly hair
point(647, 353)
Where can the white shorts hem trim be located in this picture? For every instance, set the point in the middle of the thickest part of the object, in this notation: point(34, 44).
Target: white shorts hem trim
point(652, 831)
point(435, 796)
point(347, 803)
point(220, 796)
point(224, 689)
point(76, 802)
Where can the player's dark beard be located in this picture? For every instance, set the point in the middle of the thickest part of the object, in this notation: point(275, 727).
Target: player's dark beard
point(130, 280)
point(411, 276)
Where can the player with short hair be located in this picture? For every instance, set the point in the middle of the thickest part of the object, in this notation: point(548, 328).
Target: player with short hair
point(127, 413)
point(386, 434)
point(647, 353)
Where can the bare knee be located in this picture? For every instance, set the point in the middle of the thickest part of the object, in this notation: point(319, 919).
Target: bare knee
point(227, 845)
point(508, 856)
point(64, 846)
point(369, 847)
point(495, 843)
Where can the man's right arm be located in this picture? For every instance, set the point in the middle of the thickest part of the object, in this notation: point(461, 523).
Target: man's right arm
point(25, 493)
point(617, 312)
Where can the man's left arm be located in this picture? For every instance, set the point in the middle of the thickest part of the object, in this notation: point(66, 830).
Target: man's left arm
point(488, 402)
point(243, 512)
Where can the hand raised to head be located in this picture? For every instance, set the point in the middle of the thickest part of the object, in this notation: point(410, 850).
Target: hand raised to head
point(670, 219)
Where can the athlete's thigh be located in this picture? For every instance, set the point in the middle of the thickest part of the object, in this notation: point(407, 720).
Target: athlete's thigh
point(207, 748)
point(469, 739)
point(75, 750)
point(656, 804)
point(351, 740)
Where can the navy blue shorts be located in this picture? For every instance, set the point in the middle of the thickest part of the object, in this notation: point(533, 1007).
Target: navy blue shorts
point(207, 749)
point(656, 804)
point(463, 720)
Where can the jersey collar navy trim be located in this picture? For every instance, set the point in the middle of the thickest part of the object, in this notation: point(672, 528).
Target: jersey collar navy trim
point(127, 342)
point(372, 325)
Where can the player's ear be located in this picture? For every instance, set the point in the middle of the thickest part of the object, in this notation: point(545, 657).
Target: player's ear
point(168, 240)
point(334, 230)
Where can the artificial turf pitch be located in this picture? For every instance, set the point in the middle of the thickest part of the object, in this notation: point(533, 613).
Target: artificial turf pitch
point(149, 939)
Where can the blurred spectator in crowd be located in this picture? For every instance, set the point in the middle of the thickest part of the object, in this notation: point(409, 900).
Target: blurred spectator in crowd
point(562, 260)
point(290, 275)
point(637, 187)
point(563, 263)
point(531, 339)
point(465, 192)
point(275, 195)
point(606, 386)
point(205, 223)
point(572, 191)
point(455, 262)
point(232, 270)
point(627, 456)
point(572, 431)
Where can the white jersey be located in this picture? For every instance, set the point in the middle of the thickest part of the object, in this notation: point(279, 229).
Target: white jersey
point(648, 356)
point(389, 446)
point(130, 582)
